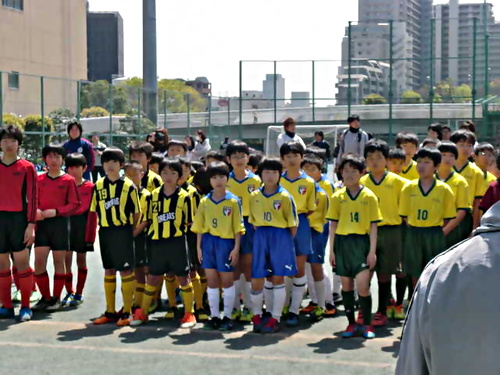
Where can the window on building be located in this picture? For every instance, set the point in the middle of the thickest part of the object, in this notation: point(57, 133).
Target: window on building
point(13, 80)
point(15, 4)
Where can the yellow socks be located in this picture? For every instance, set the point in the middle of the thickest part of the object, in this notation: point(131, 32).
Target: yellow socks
point(128, 289)
point(149, 293)
point(187, 297)
point(198, 291)
point(170, 284)
point(139, 293)
point(110, 291)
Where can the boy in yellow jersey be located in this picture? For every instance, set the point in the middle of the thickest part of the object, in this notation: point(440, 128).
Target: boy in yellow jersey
point(176, 148)
point(303, 190)
point(354, 214)
point(134, 171)
point(169, 212)
point(242, 183)
point(116, 202)
point(142, 153)
point(396, 160)
point(427, 205)
point(387, 187)
point(484, 157)
point(273, 213)
point(465, 141)
point(219, 227)
point(460, 188)
point(154, 163)
point(408, 142)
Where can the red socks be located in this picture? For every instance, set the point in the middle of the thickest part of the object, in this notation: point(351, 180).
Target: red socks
point(5, 285)
point(15, 275)
point(82, 277)
point(59, 281)
point(42, 281)
point(26, 286)
point(69, 283)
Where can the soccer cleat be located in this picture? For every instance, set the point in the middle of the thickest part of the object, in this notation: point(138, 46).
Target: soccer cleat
point(138, 318)
point(236, 314)
point(106, 318)
point(171, 313)
point(368, 332)
point(272, 326)
point(124, 320)
point(390, 311)
point(54, 305)
point(330, 310)
point(153, 307)
point(16, 296)
point(309, 308)
point(188, 320)
point(257, 323)
point(379, 320)
point(201, 315)
point(337, 298)
point(25, 314)
point(77, 300)
point(399, 313)
point(6, 313)
point(226, 324)
point(292, 320)
point(350, 331)
point(213, 324)
point(67, 299)
point(317, 314)
point(246, 315)
point(360, 320)
point(41, 305)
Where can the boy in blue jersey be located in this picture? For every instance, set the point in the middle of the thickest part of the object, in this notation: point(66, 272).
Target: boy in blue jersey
point(273, 213)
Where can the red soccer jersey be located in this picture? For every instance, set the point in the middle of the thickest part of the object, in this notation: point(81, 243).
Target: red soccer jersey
point(58, 193)
point(85, 191)
point(491, 196)
point(18, 188)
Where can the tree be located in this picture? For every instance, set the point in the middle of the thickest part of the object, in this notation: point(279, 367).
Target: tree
point(411, 97)
point(97, 94)
point(9, 119)
point(94, 112)
point(59, 117)
point(374, 99)
point(32, 143)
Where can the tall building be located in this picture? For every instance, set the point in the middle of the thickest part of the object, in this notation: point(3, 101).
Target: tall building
point(105, 45)
point(268, 89)
point(42, 38)
point(202, 85)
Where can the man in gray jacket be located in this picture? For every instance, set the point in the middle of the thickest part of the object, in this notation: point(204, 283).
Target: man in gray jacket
point(353, 139)
point(453, 325)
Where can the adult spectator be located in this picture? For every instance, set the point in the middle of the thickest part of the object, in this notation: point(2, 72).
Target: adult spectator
point(353, 139)
point(451, 319)
point(98, 149)
point(224, 145)
point(319, 141)
point(201, 147)
point(435, 131)
point(80, 145)
point(159, 139)
point(289, 125)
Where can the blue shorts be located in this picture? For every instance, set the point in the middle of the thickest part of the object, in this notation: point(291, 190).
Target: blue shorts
point(302, 240)
point(246, 246)
point(273, 253)
point(215, 251)
point(326, 232)
point(318, 246)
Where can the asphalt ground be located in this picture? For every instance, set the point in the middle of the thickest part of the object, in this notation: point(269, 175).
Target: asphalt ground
point(67, 341)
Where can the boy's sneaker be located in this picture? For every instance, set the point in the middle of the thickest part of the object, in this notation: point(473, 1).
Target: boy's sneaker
point(317, 314)
point(25, 314)
point(188, 320)
point(41, 305)
point(106, 318)
point(67, 299)
point(292, 320)
point(213, 324)
point(77, 300)
point(6, 313)
point(257, 323)
point(246, 315)
point(360, 320)
point(330, 310)
point(138, 318)
point(379, 320)
point(125, 319)
point(201, 315)
point(272, 326)
point(226, 324)
point(54, 304)
point(236, 314)
point(309, 308)
point(153, 307)
point(171, 313)
point(399, 313)
point(350, 331)
point(368, 332)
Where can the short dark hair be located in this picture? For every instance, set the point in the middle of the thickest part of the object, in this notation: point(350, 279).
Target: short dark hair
point(438, 128)
point(237, 146)
point(132, 164)
point(255, 159)
point(430, 140)
point(270, 164)
point(218, 168)
point(201, 181)
point(313, 160)
point(214, 155)
point(288, 121)
point(484, 146)
point(432, 153)
point(141, 146)
point(396, 153)
point(113, 154)
point(156, 158)
point(184, 161)
point(175, 142)
point(355, 161)
point(75, 160)
point(197, 165)
point(446, 127)
point(12, 132)
point(174, 164)
point(320, 133)
point(291, 148)
point(317, 151)
point(406, 137)
point(352, 118)
point(463, 135)
point(468, 125)
point(53, 148)
point(375, 145)
point(76, 123)
point(447, 146)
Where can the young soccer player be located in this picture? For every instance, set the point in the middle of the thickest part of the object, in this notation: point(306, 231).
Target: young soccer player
point(354, 214)
point(460, 188)
point(142, 153)
point(213, 156)
point(154, 163)
point(430, 142)
point(396, 160)
point(484, 157)
point(176, 148)
point(254, 160)
point(274, 215)
point(387, 187)
point(242, 183)
point(492, 194)
point(219, 227)
point(169, 213)
point(116, 201)
point(303, 190)
point(426, 205)
point(18, 211)
point(57, 199)
point(408, 142)
point(83, 226)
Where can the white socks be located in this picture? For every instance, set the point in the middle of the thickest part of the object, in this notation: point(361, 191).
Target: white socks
point(213, 301)
point(229, 294)
point(269, 295)
point(237, 292)
point(257, 298)
point(279, 295)
point(319, 286)
point(299, 286)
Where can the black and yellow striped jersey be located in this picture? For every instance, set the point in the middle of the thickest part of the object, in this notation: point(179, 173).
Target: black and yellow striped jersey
point(169, 215)
point(144, 196)
point(151, 181)
point(195, 197)
point(116, 202)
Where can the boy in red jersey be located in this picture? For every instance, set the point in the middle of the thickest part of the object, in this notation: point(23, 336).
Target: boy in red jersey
point(57, 199)
point(18, 207)
point(83, 225)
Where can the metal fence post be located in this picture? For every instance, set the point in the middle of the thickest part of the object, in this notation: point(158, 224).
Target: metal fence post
point(275, 100)
point(240, 110)
point(349, 58)
point(110, 109)
point(484, 123)
point(210, 115)
point(42, 109)
point(431, 83)
point(313, 92)
point(164, 109)
point(474, 51)
point(188, 103)
point(391, 63)
point(78, 99)
point(139, 110)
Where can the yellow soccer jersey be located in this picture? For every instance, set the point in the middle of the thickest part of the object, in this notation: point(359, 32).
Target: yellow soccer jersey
point(388, 191)
point(276, 210)
point(326, 185)
point(195, 197)
point(474, 177)
point(303, 191)
point(151, 181)
point(427, 210)
point(223, 219)
point(144, 197)
point(243, 189)
point(460, 188)
point(410, 173)
point(354, 214)
point(488, 178)
point(317, 219)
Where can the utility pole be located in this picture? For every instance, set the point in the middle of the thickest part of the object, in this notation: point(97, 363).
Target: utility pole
point(150, 84)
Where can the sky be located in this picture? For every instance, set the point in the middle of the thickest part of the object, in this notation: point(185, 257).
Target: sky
point(209, 38)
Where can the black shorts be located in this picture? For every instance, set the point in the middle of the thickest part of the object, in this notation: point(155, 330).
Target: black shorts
point(192, 250)
point(169, 256)
point(117, 248)
point(140, 243)
point(53, 233)
point(12, 228)
point(77, 229)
